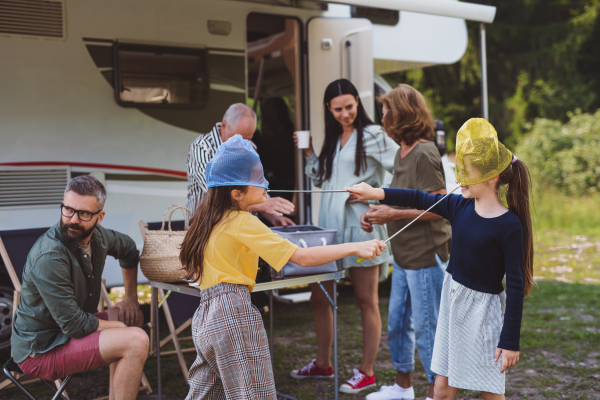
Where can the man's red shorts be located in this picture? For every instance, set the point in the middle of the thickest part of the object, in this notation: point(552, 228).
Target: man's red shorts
point(76, 355)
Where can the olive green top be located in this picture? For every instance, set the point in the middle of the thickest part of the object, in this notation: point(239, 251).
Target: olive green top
point(60, 292)
point(415, 248)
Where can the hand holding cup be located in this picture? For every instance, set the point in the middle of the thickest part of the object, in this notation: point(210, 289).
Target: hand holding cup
point(303, 140)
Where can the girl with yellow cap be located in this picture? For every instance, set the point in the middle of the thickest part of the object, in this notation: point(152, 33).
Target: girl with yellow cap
point(479, 323)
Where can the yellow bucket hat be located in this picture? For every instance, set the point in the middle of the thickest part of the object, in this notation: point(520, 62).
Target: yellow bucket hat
point(479, 154)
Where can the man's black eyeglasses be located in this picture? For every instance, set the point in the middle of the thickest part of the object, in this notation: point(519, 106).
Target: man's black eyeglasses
point(81, 214)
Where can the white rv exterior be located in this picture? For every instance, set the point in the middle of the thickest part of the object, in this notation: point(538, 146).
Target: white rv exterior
point(59, 114)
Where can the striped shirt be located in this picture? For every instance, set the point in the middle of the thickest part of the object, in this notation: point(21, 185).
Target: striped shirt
point(202, 150)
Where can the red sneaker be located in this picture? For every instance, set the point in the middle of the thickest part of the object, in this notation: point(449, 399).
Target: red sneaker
point(358, 382)
point(312, 371)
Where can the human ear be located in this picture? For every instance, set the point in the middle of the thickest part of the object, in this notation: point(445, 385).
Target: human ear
point(101, 216)
point(493, 183)
point(237, 195)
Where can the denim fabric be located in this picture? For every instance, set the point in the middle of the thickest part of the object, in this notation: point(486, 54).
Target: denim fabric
point(407, 325)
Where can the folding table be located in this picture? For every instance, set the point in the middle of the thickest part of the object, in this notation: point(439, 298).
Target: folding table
point(193, 290)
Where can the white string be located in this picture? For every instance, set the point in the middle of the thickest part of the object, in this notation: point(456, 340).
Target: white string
point(307, 191)
point(424, 212)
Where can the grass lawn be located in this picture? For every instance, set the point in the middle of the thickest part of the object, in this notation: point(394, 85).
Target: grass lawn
point(560, 355)
point(560, 337)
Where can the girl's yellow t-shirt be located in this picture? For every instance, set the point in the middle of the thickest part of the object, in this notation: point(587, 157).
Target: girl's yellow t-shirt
point(235, 244)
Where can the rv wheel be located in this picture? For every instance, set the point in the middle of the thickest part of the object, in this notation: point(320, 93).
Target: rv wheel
point(6, 309)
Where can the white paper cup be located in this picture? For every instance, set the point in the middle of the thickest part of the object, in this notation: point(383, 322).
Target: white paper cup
point(303, 139)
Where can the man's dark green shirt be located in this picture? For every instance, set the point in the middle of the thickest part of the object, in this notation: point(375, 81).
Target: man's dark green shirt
point(60, 292)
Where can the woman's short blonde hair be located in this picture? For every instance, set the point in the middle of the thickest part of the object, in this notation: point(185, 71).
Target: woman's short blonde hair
point(408, 118)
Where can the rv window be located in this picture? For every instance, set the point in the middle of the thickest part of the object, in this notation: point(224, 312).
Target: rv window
point(160, 76)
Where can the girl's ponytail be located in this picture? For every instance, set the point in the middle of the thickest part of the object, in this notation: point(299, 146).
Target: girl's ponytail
point(517, 177)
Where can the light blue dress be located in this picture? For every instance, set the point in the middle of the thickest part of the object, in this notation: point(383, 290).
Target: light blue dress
point(336, 211)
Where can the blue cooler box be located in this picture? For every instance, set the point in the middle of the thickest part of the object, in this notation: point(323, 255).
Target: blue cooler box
point(306, 236)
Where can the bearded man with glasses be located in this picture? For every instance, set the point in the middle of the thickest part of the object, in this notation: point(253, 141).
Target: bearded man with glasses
point(57, 330)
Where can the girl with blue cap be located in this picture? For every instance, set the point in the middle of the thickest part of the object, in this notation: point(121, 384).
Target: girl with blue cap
point(479, 323)
point(221, 250)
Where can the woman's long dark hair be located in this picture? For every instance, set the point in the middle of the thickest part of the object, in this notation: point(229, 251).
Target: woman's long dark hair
point(333, 129)
point(517, 177)
point(216, 203)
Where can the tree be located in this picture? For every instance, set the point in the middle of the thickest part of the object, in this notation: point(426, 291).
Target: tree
point(543, 61)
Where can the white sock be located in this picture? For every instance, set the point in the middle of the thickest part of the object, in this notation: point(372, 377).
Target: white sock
point(408, 393)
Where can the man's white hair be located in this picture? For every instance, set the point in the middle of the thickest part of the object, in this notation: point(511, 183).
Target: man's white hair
point(236, 113)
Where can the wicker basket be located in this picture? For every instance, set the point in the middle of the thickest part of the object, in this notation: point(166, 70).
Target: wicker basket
point(159, 260)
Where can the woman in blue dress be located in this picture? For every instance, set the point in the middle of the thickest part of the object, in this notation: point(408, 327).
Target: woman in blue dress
point(355, 150)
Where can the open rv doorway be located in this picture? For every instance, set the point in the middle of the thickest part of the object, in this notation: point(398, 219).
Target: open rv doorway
point(274, 91)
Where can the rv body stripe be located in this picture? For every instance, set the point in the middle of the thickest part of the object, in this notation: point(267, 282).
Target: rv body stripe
point(144, 191)
point(158, 171)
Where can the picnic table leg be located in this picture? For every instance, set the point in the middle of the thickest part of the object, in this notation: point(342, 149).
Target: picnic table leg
point(271, 347)
point(335, 349)
point(334, 305)
point(155, 327)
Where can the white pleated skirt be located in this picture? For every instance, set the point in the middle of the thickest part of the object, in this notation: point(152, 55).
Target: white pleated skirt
point(467, 336)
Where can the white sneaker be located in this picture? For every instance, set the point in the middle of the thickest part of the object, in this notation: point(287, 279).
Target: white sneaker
point(392, 393)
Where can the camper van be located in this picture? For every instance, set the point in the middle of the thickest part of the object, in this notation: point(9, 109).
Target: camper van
point(120, 88)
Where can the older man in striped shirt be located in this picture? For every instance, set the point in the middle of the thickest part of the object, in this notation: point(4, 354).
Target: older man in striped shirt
point(239, 119)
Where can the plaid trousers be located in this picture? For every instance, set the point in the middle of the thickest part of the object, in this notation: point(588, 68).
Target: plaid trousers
point(233, 360)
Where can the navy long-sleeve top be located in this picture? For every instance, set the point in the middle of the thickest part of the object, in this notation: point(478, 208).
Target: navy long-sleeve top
point(483, 251)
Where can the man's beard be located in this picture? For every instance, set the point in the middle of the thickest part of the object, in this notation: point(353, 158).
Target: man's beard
point(76, 236)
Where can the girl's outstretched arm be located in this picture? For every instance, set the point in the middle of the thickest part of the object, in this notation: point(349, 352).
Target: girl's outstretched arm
point(364, 191)
point(319, 255)
point(409, 198)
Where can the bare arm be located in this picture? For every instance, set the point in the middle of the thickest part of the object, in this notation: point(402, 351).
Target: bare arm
point(413, 213)
point(409, 214)
point(318, 255)
point(129, 308)
point(382, 214)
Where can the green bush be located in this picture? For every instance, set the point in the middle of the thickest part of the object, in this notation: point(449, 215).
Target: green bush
point(564, 156)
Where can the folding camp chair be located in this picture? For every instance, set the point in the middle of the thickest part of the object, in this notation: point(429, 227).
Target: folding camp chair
point(11, 367)
point(19, 242)
point(178, 310)
point(14, 248)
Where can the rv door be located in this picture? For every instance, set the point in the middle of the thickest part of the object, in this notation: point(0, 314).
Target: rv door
point(337, 48)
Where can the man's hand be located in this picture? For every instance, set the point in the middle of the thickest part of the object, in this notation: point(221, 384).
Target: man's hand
point(380, 214)
point(353, 200)
point(275, 206)
point(278, 221)
point(365, 224)
point(129, 312)
point(509, 358)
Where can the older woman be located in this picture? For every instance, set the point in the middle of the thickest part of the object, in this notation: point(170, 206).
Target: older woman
point(421, 252)
point(355, 150)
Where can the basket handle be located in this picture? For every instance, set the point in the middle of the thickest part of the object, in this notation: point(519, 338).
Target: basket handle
point(183, 209)
point(162, 227)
